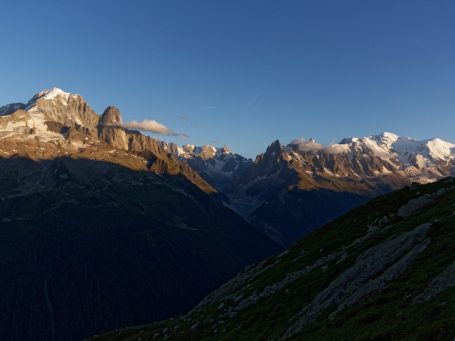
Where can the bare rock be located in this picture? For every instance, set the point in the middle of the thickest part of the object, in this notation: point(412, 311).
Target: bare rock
point(443, 281)
point(372, 271)
point(416, 204)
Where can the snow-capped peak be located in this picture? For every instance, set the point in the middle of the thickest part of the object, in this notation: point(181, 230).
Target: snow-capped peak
point(388, 136)
point(439, 149)
point(348, 140)
point(53, 105)
point(425, 158)
point(49, 94)
point(206, 151)
point(52, 94)
point(404, 147)
point(386, 139)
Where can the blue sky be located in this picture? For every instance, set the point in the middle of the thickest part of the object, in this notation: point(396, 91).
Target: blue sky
point(242, 73)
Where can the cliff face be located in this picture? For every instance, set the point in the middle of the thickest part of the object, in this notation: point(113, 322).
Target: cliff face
point(59, 106)
point(108, 132)
point(58, 123)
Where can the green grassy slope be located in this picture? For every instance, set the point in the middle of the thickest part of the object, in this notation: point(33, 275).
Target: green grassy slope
point(266, 300)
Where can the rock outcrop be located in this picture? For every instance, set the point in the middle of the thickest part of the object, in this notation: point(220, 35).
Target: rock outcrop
point(443, 281)
point(418, 203)
point(372, 271)
point(109, 132)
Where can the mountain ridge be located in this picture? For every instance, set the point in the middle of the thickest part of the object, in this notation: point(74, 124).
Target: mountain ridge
point(421, 161)
point(65, 119)
point(296, 179)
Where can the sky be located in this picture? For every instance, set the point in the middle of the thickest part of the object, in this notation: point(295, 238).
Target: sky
point(242, 73)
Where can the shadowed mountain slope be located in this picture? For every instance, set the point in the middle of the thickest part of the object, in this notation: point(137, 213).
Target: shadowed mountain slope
point(88, 246)
point(97, 218)
point(383, 271)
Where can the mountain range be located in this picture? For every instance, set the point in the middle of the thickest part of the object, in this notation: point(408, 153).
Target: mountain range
point(101, 228)
point(291, 189)
point(104, 227)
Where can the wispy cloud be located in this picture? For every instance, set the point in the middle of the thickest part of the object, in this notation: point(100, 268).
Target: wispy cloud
point(184, 117)
point(253, 99)
point(207, 107)
point(150, 126)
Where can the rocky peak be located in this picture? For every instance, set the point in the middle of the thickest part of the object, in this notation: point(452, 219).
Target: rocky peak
point(56, 105)
point(207, 151)
point(51, 94)
point(109, 131)
point(348, 140)
point(110, 116)
point(274, 147)
point(188, 148)
point(273, 153)
point(204, 152)
point(272, 162)
point(225, 150)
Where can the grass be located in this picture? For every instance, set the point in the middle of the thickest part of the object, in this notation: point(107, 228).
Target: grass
point(386, 315)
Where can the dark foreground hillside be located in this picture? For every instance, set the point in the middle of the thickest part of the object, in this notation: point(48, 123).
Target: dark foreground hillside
point(89, 246)
point(383, 271)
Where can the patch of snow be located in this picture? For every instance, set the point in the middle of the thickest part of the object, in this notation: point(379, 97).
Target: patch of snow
point(53, 93)
point(439, 149)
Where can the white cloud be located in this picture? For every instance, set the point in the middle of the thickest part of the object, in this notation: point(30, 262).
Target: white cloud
point(147, 125)
point(307, 145)
point(150, 126)
point(336, 148)
point(312, 146)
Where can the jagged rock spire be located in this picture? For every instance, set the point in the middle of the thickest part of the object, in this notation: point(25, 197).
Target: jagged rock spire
point(110, 116)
